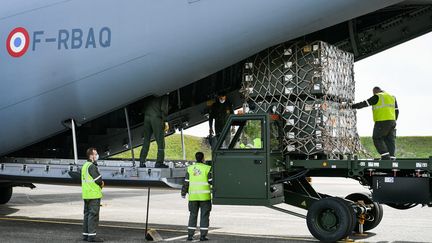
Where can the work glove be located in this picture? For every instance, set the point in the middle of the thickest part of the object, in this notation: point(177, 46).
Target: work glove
point(183, 196)
point(211, 132)
point(166, 127)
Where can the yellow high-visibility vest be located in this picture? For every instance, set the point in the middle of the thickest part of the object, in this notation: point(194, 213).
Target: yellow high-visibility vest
point(384, 109)
point(257, 143)
point(199, 188)
point(90, 190)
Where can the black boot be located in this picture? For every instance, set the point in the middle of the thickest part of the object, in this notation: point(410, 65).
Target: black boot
point(190, 238)
point(204, 238)
point(160, 165)
point(85, 238)
point(142, 165)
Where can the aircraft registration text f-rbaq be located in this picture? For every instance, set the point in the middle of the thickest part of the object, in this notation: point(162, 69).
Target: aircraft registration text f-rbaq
point(19, 39)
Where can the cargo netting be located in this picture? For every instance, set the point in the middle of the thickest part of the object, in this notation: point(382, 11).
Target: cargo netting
point(309, 87)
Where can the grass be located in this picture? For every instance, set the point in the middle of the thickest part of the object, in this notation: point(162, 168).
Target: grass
point(406, 147)
point(173, 149)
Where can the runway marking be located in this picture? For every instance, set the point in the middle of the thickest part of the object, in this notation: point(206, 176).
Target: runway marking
point(185, 236)
point(176, 238)
point(264, 236)
point(213, 232)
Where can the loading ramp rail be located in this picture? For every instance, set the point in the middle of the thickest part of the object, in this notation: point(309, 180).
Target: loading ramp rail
point(114, 172)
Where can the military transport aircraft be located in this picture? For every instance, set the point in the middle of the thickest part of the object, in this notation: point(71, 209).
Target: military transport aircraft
point(93, 63)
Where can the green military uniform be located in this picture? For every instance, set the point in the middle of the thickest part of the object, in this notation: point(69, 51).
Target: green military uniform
point(91, 182)
point(197, 184)
point(155, 112)
point(220, 112)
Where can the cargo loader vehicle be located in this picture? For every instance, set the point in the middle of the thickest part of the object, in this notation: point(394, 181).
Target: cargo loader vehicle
point(259, 174)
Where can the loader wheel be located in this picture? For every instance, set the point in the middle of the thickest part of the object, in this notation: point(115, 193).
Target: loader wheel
point(330, 219)
point(5, 194)
point(354, 221)
point(375, 215)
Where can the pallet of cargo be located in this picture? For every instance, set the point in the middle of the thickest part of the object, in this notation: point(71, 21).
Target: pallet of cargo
point(308, 85)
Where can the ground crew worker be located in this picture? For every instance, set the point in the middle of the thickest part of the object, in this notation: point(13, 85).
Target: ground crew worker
point(257, 143)
point(243, 143)
point(197, 184)
point(219, 112)
point(92, 184)
point(155, 123)
point(385, 113)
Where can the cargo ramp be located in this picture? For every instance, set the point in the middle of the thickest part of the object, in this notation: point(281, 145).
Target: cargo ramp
point(114, 172)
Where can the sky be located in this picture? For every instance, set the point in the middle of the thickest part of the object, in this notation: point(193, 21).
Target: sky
point(404, 71)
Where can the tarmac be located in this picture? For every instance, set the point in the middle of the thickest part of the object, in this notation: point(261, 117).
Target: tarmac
point(54, 213)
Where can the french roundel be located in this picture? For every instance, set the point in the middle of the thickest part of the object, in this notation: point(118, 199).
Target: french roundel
point(18, 42)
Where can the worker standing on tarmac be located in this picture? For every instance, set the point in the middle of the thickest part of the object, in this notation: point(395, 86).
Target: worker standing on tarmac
point(197, 184)
point(92, 184)
point(219, 112)
point(155, 123)
point(385, 113)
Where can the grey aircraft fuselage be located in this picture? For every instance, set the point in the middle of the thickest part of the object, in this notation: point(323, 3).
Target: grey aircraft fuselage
point(62, 59)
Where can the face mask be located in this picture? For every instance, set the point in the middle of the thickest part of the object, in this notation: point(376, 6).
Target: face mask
point(97, 157)
point(222, 101)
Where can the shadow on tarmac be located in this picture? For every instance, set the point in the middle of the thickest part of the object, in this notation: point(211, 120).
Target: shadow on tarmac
point(23, 198)
point(6, 210)
point(22, 229)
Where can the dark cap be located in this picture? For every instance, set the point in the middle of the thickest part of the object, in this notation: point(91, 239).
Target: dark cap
point(221, 93)
point(377, 89)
